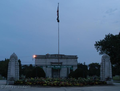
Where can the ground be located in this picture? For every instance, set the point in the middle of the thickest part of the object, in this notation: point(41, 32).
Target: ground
point(3, 87)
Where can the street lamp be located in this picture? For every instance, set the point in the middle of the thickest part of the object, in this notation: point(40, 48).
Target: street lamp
point(34, 56)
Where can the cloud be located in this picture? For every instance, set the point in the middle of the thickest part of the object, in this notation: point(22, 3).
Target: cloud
point(116, 22)
point(111, 11)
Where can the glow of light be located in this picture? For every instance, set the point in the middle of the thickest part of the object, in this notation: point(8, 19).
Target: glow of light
point(34, 56)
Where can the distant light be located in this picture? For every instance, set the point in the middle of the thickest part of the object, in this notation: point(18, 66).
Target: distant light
point(34, 56)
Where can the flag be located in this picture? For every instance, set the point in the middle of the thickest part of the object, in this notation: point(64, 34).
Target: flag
point(58, 13)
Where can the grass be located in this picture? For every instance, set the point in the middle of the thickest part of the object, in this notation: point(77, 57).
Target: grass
point(116, 78)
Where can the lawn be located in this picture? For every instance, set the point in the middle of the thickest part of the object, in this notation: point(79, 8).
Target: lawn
point(116, 79)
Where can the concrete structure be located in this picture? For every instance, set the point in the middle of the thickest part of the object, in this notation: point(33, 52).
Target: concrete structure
point(106, 69)
point(53, 67)
point(13, 69)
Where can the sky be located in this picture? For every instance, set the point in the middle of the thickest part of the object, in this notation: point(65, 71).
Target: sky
point(29, 27)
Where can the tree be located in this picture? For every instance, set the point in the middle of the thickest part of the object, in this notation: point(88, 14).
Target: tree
point(81, 71)
point(94, 69)
point(4, 67)
point(38, 72)
point(115, 70)
point(32, 71)
point(20, 67)
point(110, 45)
point(84, 68)
point(27, 70)
point(77, 73)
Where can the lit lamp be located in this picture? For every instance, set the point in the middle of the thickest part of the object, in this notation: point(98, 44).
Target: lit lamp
point(34, 56)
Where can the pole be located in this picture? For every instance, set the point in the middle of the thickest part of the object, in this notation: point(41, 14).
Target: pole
point(58, 52)
point(58, 37)
point(58, 42)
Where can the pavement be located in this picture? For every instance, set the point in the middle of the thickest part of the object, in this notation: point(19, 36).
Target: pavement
point(4, 87)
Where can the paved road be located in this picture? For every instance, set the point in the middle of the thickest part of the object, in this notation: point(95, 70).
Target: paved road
point(115, 87)
point(2, 82)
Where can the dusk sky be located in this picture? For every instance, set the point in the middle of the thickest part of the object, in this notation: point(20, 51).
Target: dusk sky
point(29, 27)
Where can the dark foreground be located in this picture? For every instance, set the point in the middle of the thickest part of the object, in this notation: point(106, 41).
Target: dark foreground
point(3, 87)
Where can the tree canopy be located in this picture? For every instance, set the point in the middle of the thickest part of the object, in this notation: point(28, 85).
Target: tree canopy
point(32, 71)
point(26, 70)
point(94, 69)
point(4, 67)
point(81, 71)
point(110, 45)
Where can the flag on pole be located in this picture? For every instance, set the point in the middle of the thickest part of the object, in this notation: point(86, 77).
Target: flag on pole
point(58, 13)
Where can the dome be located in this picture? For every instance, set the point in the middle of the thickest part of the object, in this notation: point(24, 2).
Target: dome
point(14, 56)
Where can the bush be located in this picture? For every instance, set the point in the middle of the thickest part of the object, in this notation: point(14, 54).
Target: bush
point(38, 72)
point(78, 73)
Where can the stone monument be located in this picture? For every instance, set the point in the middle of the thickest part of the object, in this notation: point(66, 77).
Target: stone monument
point(13, 69)
point(106, 69)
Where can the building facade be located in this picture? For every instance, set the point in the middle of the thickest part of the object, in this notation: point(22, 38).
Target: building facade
point(55, 65)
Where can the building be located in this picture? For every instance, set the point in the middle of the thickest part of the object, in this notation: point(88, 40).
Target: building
point(56, 66)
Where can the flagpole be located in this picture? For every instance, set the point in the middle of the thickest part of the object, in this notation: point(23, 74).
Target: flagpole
point(58, 36)
point(58, 42)
point(58, 29)
point(58, 50)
